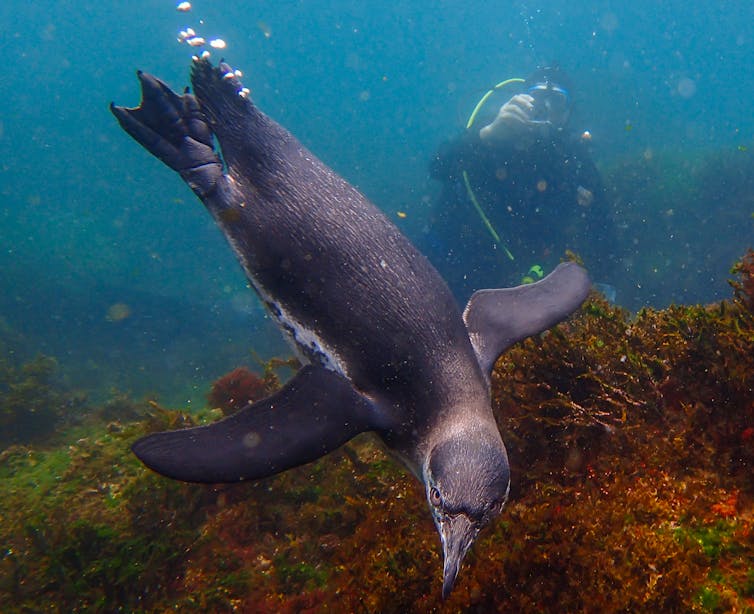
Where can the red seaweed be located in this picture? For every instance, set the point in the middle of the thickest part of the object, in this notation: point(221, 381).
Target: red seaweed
point(631, 440)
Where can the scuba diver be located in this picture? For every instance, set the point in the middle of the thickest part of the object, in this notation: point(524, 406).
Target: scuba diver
point(518, 193)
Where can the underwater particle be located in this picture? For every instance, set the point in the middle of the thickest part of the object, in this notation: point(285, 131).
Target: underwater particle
point(586, 135)
point(402, 214)
point(117, 312)
point(251, 440)
point(217, 43)
point(686, 87)
point(264, 28)
point(365, 95)
point(183, 7)
point(541, 185)
point(584, 197)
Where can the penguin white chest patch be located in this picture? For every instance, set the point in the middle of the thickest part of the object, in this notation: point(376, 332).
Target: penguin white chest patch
point(306, 341)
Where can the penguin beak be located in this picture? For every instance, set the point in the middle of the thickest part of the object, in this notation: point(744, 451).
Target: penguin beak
point(457, 534)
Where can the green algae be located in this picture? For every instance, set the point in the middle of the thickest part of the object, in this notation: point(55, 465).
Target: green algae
point(32, 401)
point(631, 440)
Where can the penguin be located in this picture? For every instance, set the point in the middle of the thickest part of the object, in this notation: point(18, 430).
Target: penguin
point(384, 345)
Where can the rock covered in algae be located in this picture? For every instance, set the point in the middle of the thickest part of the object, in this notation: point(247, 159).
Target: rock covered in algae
point(32, 401)
point(631, 441)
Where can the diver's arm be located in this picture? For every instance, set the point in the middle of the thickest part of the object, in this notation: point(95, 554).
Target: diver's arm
point(512, 121)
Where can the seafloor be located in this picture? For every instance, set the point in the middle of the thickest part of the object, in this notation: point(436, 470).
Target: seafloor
point(631, 440)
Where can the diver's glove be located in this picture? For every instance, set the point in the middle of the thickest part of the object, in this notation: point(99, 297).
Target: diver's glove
point(513, 120)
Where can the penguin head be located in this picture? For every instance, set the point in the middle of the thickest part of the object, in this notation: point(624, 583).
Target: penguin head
point(467, 483)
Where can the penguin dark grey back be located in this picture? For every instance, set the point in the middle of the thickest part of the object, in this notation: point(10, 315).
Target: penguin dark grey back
point(386, 348)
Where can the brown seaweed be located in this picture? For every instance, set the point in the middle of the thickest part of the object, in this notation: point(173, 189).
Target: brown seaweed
point(631, 440)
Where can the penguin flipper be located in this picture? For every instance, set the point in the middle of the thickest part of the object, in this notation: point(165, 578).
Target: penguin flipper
point(497, 319)
point(314, 413)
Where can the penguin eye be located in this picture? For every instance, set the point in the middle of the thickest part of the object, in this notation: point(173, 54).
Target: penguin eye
point(434, 497)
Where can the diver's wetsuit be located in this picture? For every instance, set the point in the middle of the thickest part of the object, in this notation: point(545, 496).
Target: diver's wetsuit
point(536, 200)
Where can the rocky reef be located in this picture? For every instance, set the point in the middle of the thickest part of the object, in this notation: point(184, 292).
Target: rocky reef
point(631, 439)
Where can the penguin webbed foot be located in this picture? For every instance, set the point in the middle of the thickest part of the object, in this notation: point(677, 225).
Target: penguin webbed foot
point(223, 75)
point(173, 128)
point(249, 139)
point(316, 412)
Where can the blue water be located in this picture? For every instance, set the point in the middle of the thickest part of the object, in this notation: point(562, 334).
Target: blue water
point(89, 221)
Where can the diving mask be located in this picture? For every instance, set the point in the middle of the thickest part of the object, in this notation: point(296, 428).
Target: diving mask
point(552, 104)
